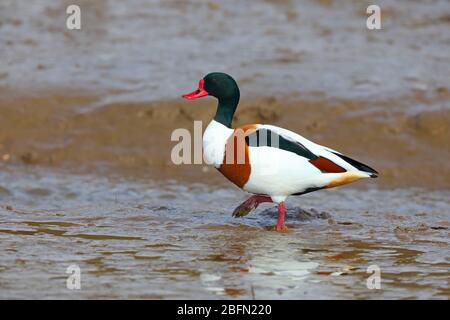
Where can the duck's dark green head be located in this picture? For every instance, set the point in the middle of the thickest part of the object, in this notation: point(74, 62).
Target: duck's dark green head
point(223, 87)
point(216, 84)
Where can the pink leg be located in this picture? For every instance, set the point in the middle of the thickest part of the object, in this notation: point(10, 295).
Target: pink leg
point(250, 204)
point(280, 223)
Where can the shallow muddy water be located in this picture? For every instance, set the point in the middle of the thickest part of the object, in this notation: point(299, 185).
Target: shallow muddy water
point(136, 239)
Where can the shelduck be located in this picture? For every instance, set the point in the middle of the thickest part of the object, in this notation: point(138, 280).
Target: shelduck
point(268, 161)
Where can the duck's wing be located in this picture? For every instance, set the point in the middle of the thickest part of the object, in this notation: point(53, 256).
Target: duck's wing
point(325, 159)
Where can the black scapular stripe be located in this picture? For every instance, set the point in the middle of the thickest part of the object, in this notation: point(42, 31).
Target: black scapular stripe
point(269, 138)
point(358, 165)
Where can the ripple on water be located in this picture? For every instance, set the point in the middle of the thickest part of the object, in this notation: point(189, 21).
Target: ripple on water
point(146, 246)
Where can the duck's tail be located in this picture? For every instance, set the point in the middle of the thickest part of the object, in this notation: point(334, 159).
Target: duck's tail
point(358, 165)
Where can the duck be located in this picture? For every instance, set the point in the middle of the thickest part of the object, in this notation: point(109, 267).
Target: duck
point(267, 161)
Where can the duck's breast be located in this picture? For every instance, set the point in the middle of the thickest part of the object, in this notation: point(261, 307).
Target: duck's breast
point(214, 140)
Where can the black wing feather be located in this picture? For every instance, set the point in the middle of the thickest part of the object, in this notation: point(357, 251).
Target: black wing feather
point(358, 165)
point(269, 138)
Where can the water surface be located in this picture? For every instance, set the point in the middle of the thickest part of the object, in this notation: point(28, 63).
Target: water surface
point(143, 239)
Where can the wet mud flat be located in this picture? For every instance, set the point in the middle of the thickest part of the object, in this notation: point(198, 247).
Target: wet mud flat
point(405, 138)
point(162, 239)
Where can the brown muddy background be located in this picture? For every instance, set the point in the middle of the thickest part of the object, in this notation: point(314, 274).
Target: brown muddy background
point(86, 176)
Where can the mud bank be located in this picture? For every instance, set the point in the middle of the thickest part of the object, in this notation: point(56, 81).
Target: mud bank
point(406, 138)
